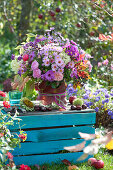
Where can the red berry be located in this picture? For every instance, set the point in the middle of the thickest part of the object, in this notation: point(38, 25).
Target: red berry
point(52, 13)
point(92, 33)
point(58, 9)
point(78, 25)
point(40, 16)
point(25, 57)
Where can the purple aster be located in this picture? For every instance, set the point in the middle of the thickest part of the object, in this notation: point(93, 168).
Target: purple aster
point(12, 57)
point(19, 72)
point(37, 40)
point(74, 73)
point(110, 112)
point(73, 42)
point(85, 96)
point(111, 94)
point(107, 95)
point(19, 58)
point(95, 93)
point(97, 99)
point(96, 109)
point(49, 75)
point(105, 101)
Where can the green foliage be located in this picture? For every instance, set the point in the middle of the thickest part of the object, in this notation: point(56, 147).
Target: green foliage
point(8, 141)
point(80, 20)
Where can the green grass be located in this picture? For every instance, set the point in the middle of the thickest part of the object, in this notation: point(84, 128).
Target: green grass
point(103, 155)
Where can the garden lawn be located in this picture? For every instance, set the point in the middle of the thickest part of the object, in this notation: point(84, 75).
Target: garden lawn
point(103, 155)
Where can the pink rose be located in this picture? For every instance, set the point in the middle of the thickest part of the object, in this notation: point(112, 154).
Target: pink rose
point(34, 65)
point(105, 62)
point(58, 76)
point(37, 73)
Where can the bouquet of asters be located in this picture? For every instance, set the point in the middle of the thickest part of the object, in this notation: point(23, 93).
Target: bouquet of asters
point(47, 62)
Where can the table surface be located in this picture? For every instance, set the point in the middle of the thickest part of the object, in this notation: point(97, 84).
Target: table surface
point(67, 111)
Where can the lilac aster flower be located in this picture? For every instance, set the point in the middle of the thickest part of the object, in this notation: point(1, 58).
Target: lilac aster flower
point(96, 109)
point(59, 62)
point(54, 67)
point(12, 57)
point(85, 96)
point(110, 112)
point(34, 65)
point(37, 40)
point(105, 101)
point(49, 75)
point(97, 99)
point(111, 94)
point(19, 72)
point(74, 73)
point(19, 58)
point(107, 95)
point(95, 93)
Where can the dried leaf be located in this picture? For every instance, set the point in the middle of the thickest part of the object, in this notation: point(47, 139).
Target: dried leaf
point(72, 167)
point(66, 162)
point(87, 136)
point(91, 149)
point(81, 158)
point(76, 148)
point(103, 140)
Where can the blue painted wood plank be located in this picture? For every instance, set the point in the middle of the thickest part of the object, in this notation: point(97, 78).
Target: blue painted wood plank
point(48, 158)
point(45, 147)
point(57, 133)
point(55, 120)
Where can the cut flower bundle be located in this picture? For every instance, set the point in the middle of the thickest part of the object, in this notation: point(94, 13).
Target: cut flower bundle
point(51, 60)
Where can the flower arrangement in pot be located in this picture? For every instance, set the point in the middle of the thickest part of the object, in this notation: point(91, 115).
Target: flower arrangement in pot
point(49, 61)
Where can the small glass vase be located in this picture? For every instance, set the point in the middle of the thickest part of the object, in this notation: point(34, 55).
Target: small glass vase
point(14, 97)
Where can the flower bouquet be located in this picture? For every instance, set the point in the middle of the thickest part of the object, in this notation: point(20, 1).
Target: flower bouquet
point(47, 62)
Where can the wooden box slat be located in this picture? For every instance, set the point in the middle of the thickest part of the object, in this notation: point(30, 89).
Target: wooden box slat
point(30, 148)
point(57, 133)
point(48, 158)
point(55, 120)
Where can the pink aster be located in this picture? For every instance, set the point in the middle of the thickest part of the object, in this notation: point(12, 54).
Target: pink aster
point(34, 65)
point(54, 67)
point(99, 64)
point(60, 70)
point(37, 73)
point(71, 64)
point(105, 62)
point(59, 62)
point(58, 76)
point(47, 62)
point(51, 60)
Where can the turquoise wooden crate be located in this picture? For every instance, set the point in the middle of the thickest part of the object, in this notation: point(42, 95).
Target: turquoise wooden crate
point(49, 132)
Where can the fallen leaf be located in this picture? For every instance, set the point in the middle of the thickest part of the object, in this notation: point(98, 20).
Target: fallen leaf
point(87, 136)
point(104, 139)
point(72, 167)
point(76, 148)
point(81, 158)
point(109, 145)
point(66, 162)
